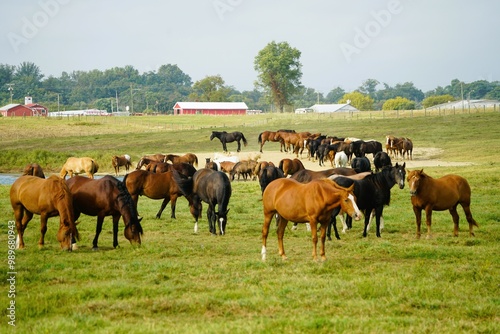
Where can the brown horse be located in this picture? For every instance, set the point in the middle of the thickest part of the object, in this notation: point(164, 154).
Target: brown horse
point(444, 193)
point(289, 166)
point(306, 175)
point(311, 203)
point(50, 197)
point(34, 170)
point(121, 160)
point(75, 166)
point(106, 197)
point(270, 136)
point(162, 167)
point(189, 158)
point(149, 158)
point(154, 186)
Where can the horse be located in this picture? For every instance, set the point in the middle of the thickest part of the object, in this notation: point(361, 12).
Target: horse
point(213, 188)
point(189, 158)
point(372, 192)
point(312, 202)
point(75, 166)
point(154, 186)
point(370, 146)
point(380, 160)
point(270, 136)
point(289, 166)
point(444, 193)
point(341, 159)
point(245, 168)
point(49, 197)
point(34, 169)
point(407, 148)
point(145, 160)
point(160, 167)
point(307, 175)
point(269, 174)
point(226, 137)
point(121, 160)
point(210, 164)
point(106, 197)
point(361, 164)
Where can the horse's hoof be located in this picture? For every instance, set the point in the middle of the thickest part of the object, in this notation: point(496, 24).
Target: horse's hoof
point(95, 249)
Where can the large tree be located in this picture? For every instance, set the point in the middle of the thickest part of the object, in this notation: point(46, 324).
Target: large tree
point(210, 89)
point(279, 72)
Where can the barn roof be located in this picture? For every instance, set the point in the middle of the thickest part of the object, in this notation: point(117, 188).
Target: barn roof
point(324, 108)
point(211, 105)
point(9, 106)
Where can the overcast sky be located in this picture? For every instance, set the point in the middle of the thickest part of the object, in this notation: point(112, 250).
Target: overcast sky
point(342, 43)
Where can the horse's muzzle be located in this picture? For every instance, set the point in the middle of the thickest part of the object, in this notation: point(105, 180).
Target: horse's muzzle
point(413, 192)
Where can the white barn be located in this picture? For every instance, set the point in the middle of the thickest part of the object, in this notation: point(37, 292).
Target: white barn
point(327, 108)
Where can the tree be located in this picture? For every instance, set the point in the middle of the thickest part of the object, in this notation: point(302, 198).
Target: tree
point(358, 100)
point(27, 79)
point(398, 103)
point(334, 95)
point(369, 87)
point(210, 89)
point(437, 99)
point(279, 72)
point(6, 76)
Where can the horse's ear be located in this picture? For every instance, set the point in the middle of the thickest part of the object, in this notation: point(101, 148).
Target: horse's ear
point(227, 211)
point(404, 165)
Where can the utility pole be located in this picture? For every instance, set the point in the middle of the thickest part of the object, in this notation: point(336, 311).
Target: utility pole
point(11, 90)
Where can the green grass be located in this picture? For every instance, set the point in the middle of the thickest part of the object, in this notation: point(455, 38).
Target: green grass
point(179, 282)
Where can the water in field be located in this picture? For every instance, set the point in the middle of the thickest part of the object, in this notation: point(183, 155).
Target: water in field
point(8, 179)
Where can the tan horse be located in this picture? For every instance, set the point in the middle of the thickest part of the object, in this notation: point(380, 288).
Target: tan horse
point(50, 197)
point(189, 158)
point(75, 166)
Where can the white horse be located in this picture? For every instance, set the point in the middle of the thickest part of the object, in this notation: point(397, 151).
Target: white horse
point(340, 159)
point(218, 158)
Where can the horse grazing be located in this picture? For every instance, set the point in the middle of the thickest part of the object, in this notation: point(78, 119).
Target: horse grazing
point(269, 174)
point(162, 167)
point(145, 160)
point(49, 197)
point(213, 188)
point(75, 166)
point(444, 193)
point(121, 160)
point(189, 158)
point(372, 192)
point(289, 166)
point(106, 197)
point(154, 186)
point(34, 170)
point(312, 203)
point(226, 137)
point(307, 175)
point(270, 136)
point(245, 168)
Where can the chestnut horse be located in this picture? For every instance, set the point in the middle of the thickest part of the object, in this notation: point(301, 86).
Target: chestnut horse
point(161, 167)
point(444, 193)
point(34, 170)
point(149, 158)
point(121, 160)
point(270, 136)
point(189, 158)
point(154, 186)
point(289, 166)
point(106, 197)
point(75, 166)
point(311, 203)
point(49, 197)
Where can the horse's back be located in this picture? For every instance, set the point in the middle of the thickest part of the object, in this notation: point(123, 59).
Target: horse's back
point(37, 194)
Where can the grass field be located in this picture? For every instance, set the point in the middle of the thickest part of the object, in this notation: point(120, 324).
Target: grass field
point(181, 282)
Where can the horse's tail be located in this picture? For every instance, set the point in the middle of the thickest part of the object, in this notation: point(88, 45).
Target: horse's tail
point(244, 139)
point(95, 167)
point(281, 165)
point(196, 161)
point(259, 140)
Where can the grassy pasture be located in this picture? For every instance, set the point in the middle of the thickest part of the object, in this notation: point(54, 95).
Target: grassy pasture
point(179, 282)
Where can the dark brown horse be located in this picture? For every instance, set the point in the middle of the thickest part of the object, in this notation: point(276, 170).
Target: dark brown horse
point(289, 166)
point(154, 186)
point(189, 158)
point(306, 175)
point(34, 170)
point(49, 197)
point(270, 136)
point(312, 203)
point(444, 193)
point(106, 197)
point(121, 160)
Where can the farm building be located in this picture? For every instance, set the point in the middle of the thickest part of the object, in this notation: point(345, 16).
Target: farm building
point(467, 104)
point(28, 109)
point(210, 108)
point(327, 108)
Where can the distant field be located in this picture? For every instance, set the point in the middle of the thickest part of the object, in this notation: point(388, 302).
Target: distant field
point(181, 282)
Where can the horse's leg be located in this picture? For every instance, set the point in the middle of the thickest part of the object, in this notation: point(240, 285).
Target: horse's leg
point(239, 146)
point(265, 232)
point(43, 229)
point(378, 215)
point(456, 218)
point(314, 234)
point(224, 147)
point(281, 232)
point(162, 207)
point(22, 219)
point(468, 216)
point(323, 238)
point(211, 219)
point(418, 219)
point(428, 220)
point(98, 229)
point(367, 221)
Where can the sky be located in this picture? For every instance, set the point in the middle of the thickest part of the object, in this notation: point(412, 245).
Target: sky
point(342, 43)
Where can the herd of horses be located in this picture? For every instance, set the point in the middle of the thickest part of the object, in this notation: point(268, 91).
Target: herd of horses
point(290, 192)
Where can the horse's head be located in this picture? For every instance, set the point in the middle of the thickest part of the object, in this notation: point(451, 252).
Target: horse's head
point(67, 235)
point(212, 136)
point(399, 174)
point(414, 178)
point(348, 203)
point(222, 218)
point(195, 206)
point(133, 231)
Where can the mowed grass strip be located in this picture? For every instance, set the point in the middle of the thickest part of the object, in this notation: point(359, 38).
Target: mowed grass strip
point(181, 282)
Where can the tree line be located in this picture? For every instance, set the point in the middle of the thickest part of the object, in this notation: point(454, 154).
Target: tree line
point(278, 88)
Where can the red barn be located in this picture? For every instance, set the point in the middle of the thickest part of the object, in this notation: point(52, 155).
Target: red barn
point(210, 108)
point(15, 109)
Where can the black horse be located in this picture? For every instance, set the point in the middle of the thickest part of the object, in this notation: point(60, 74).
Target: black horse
point(372, 194)
point(361, 164)
point(212, 187)
point(269, 174)
point(226, 137)
point(381, 160)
